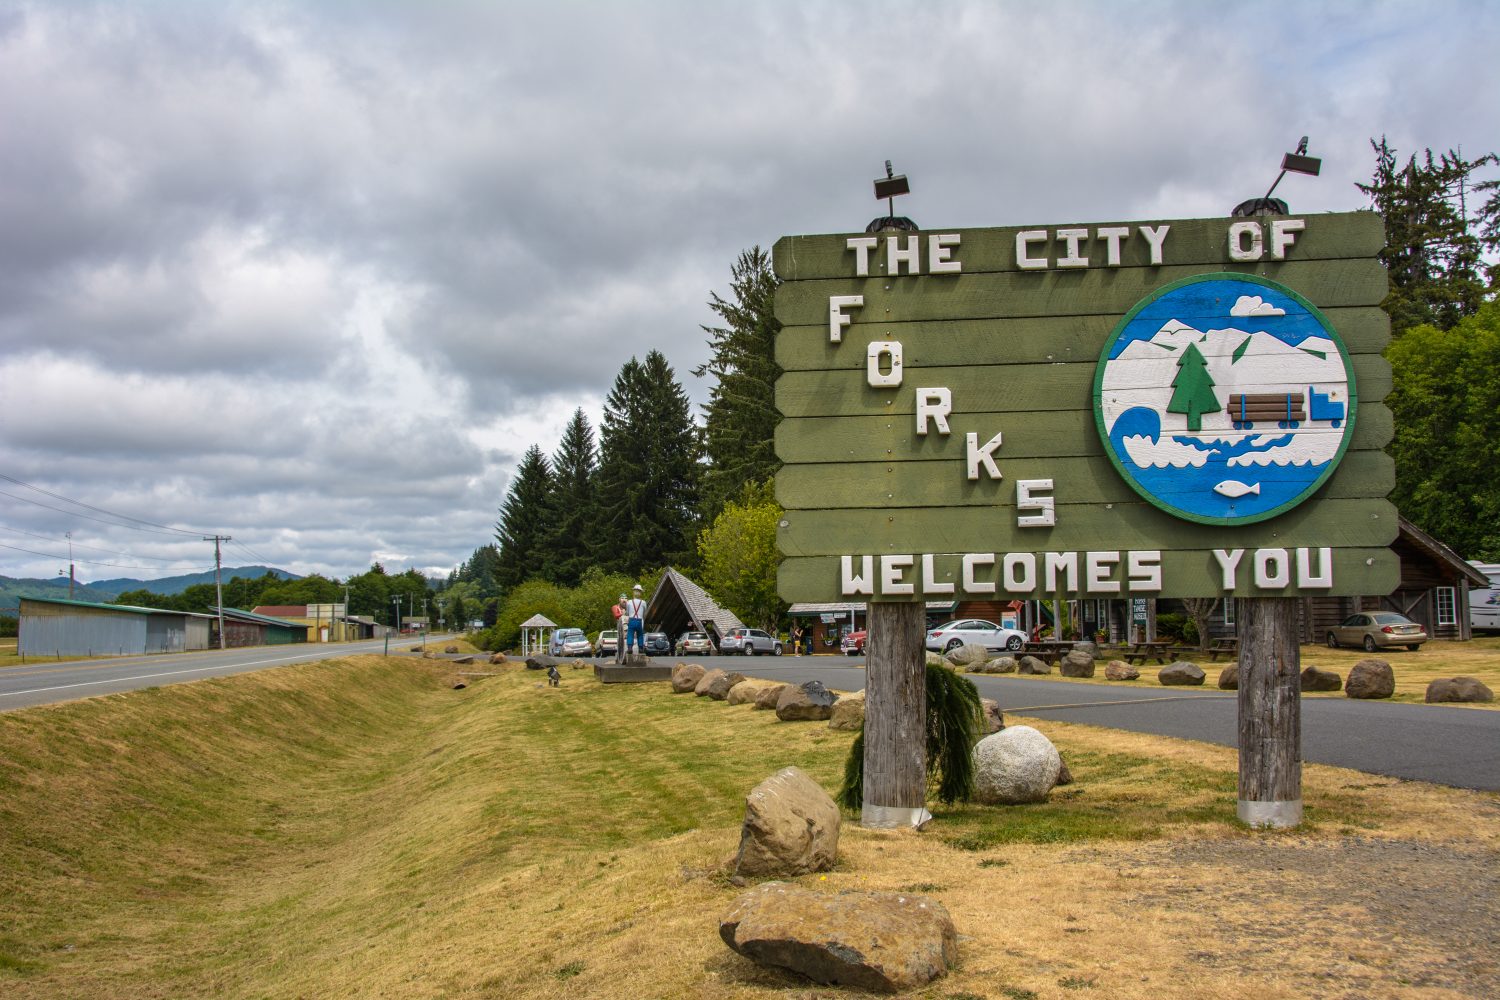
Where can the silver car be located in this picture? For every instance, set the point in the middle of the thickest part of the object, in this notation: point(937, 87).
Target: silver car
point(951, 635)
point(1376, 630)
point(748, 642)
point(571, 642)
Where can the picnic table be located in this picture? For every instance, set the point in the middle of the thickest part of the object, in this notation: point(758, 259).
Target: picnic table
point(1141, 651)
point(1229, 646)
point(1047, 650)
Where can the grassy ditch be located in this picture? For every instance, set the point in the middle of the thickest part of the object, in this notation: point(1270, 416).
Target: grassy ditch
point(360, 828)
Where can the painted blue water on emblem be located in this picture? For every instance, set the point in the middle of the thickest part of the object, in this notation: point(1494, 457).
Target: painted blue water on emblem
point(1225, 399)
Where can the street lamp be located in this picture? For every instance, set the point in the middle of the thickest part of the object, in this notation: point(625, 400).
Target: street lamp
point(1297, 163)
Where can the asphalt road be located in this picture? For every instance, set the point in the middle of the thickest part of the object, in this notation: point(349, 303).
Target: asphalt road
point(1446, 745)
point(42, 682)
point(1443, 744)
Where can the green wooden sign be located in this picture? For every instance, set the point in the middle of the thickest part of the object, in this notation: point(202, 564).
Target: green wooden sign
point(1170, 408)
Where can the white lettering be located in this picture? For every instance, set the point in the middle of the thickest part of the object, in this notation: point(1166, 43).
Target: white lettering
point(836, 318)
point(1273, 569)
point(892, 568)
point(911, 256)
point(1023, 258)
point(1067, 563)
point(937, 404)
point(1045, 517)
point(1098, 566)
point(1019, 561)
point(1305, 575)
point(862, 245)
point(972, 561)
point(1229, 561)
point(1144, 569)
point(850, 584)
point(930, 583)
point(877, 350)
point(1237, 248)
point(1071, 238)
point(983, 456)
point(938, 247)
point(1284, 234)
point(1156, 237)
point(1111, 235)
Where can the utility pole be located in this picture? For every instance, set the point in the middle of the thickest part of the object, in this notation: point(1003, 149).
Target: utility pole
point(344, 625)
point(397, 602)
point(219, 583)
point(70, 564)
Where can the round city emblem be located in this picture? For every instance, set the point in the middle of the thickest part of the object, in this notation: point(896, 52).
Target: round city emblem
point(1225, 399)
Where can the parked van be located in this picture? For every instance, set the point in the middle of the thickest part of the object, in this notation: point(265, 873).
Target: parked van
point(1484, 605)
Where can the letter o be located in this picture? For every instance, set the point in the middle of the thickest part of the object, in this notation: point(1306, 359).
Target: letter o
point(878, 349)
point(1266, 575)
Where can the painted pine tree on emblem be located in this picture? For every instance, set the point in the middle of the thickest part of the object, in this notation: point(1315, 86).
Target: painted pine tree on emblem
point(1194, 389)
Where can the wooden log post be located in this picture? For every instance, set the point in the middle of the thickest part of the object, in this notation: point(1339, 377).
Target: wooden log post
point(895, 781)
point(1270, 713)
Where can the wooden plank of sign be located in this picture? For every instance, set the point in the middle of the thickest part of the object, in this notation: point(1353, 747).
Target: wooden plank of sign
point(1325, 283)
point(1185, 573)
point(1342, 523)
point(1364, 330)
point(1079, 481)
point(990, 389)
point(1049, 434)
point(1188, 241)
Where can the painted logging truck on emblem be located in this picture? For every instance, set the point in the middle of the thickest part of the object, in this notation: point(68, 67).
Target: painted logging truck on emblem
point(1225, 399)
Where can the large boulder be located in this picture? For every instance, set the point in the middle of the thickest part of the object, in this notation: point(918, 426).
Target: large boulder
point(1016, 765)
point(708, 679)
point(994, 720)
point(1032, 665)
point(1087, 646)
point(791, 828)
point(1001, 665)
point(1076, 663)
point(1370, 679)
point(1229, 678)
point(934, 660)
point(885, 941)
point(805, 702)
point(539, 662)
point(745, 692)
point(719, 687)
point(685, 677)
point(769, 696)
point(497, 658)
point(1462, 689)
point(848, 712)
point(969, 652)
point(1317, 679)
point(1181, 673)
point(1119, 670)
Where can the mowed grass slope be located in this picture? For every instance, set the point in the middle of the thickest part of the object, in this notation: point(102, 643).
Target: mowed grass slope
point(359, 828)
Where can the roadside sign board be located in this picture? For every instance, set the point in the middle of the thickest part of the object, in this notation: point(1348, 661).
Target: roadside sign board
point(1177, 408)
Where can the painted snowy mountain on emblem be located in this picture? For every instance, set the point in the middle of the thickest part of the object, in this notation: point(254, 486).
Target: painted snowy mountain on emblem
point(1225, 399)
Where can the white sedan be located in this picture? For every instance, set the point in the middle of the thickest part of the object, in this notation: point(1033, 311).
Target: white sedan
point(987, 634)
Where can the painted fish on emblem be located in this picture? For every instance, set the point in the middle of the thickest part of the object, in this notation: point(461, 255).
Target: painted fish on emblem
point(1234, 489)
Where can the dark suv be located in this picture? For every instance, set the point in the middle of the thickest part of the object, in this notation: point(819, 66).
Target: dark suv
point(657, 644)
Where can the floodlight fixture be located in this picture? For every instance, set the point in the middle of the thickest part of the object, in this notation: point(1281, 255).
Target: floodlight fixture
point(890, 186)
point(1297, 163)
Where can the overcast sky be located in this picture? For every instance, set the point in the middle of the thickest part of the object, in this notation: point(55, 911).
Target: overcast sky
point(314, 275)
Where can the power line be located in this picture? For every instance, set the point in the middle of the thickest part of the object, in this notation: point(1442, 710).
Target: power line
point(256, 555)
point(86, 562)
point(95, 548)
point(97, 510)
point(89, 517)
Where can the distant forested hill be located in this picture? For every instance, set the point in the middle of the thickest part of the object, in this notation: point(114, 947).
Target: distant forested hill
point(13, 589)
point(177, 584)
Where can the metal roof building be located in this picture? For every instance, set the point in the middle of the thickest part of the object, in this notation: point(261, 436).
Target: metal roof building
point(246, 628)
point(56, 627)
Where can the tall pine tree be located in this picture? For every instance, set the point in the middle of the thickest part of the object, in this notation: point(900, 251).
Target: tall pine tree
point(1432, 253)
point(740, 416)
point(523, 528)
point(569, 548)
point(648, 469)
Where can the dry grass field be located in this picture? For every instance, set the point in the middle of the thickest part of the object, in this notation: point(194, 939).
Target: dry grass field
point(359, 828)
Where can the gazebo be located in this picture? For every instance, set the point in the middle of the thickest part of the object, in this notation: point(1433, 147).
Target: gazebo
point(533, 639)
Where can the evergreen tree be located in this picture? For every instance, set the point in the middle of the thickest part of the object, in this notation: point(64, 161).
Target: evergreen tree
point(648, 469)
point(1193, 389)
point(1432, 255)
point(523, 528)
point(740, 416)
point(569, 548)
